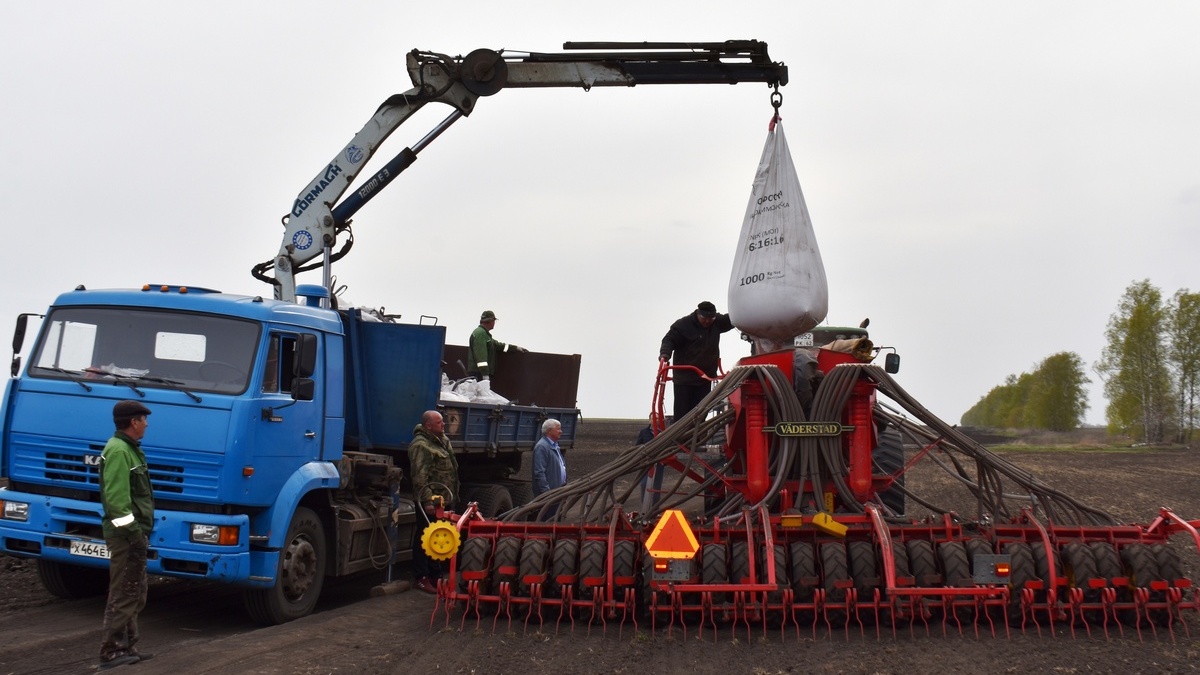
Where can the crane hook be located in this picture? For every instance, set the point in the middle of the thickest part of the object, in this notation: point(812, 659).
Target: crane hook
point(776, 103)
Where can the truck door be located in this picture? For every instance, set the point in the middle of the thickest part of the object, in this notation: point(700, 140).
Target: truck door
point(289, 427)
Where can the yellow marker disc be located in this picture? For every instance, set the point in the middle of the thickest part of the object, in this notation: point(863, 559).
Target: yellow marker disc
point(440, 540)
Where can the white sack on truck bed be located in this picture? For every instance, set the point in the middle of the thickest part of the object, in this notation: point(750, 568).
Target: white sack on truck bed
point(777, 289)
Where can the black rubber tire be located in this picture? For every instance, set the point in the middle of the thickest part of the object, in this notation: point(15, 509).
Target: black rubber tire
point(473, 557)
point(739, 563)
point(1170, 569)
point(564, 561)
point(1041, 566)
point(777, 556)
point(956, 569)
point(714, 564)
point(534, 554)
point(1108, 562)
point(899, 560)
point(1141, 567)
point(1139, 564)
point(507, 554)
point(977, 546)
point(492, 500)
point(864, 568)
point(1170, 565)
point(591, 564)
point(922, 562)
point(889, 459)
point(834, 569)
point(624, 558)
point(72, 582)
point(1079, 565)
point(299, 576)
point(520, 492)
point(803, 570)
point(1021, 571)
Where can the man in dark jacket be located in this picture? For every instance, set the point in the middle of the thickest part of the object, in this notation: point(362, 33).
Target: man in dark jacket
point(128, 518)
point(434, 475)
point(549, 470)
point(695, 340)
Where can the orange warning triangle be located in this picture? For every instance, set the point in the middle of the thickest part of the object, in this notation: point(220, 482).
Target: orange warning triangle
point(672, 537)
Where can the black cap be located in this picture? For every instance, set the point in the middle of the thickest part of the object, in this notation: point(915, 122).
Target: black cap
point(707, 309)
point(129, 409)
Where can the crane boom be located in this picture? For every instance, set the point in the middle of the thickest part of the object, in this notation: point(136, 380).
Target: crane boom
point(319, 213)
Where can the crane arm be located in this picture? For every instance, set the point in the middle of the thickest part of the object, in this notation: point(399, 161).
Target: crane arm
point(319, 213)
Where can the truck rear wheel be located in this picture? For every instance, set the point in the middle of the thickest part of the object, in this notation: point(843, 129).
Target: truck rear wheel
point(492, 500)
point(72, 582)
point(299, 576)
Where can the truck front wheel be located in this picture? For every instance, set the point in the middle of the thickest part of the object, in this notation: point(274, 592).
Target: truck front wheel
point(72, 582)
point(299, 576)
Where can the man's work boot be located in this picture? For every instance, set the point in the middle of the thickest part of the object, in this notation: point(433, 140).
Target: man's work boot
point(427, 585)
point(119, 660)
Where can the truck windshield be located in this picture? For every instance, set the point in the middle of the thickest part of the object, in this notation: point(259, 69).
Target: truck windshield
point(147, 348)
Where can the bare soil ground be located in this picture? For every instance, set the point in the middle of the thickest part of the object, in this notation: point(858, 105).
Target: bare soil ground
point(199, 628)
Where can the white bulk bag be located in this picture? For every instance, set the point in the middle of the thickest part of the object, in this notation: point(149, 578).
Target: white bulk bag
point(777, 289)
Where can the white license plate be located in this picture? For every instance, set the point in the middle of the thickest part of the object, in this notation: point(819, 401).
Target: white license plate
point(89, 549)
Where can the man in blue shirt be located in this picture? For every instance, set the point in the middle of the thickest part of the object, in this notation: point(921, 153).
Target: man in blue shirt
point(549, 469)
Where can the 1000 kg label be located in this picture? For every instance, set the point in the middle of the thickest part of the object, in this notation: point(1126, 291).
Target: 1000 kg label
point(752, 279)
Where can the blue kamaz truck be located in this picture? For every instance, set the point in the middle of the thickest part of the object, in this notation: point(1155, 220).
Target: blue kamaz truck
point(277, 442)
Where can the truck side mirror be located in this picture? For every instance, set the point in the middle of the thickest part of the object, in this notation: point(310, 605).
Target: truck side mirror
point(19, 334)
point(891, 363)
point(303, 389)
point(19, 341)
point(304, 363)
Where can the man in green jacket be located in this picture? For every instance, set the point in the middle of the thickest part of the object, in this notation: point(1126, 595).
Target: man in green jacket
point(128, 518)
point(482, 348)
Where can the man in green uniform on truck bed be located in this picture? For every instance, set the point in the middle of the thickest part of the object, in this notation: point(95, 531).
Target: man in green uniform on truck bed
point(128, 517)
point(482, 348)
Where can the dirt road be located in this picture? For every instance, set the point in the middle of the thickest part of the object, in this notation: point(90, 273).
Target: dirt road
point(198, 628)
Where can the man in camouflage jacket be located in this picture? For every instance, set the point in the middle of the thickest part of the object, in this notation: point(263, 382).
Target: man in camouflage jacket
point(434, 474)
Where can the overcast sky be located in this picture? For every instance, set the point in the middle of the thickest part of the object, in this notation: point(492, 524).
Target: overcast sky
point(984, 179)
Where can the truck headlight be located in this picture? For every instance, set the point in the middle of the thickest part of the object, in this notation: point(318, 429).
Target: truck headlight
point(221, 535)
point(16, 511)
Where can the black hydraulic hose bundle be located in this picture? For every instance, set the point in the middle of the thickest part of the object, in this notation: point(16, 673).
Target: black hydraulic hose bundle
point(816, 462)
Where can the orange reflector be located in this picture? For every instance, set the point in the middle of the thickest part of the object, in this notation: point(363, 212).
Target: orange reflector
point(164, 288)
point(145, 287)
point(672, 537)
point(228, 536)
point(247, 471)
point(183, 289)
point(1003, 569)
point(791, 520)
point(661, 565)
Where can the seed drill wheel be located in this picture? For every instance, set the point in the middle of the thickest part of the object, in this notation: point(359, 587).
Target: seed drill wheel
point(591, 565)
point(714, 566)
point(804, 570)
point(533, 562)
point(564, 562)
point(1141, 567)
point(505, 560)
point(473, 557)
point(1079, 564)
point(1021, 572)
point(440, 540)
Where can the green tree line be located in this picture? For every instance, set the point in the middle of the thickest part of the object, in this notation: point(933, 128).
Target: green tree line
point(1150, 369)
point(1150, 365)
point(1053, 396)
